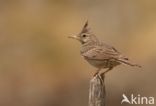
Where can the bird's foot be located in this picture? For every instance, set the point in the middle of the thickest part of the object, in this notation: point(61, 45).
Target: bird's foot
point(102, 75)
point(95, 74)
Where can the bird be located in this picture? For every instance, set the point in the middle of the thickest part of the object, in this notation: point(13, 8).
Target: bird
point(98, 53)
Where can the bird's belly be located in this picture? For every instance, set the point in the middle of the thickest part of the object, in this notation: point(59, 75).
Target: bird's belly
point(103, 63)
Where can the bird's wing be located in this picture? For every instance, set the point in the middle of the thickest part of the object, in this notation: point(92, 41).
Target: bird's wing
point(115, 52)
point(101, 53)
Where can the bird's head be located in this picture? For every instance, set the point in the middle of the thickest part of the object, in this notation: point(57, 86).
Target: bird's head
point(85, 36)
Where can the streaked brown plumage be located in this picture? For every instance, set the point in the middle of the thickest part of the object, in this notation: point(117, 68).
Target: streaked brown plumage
point(99, 54)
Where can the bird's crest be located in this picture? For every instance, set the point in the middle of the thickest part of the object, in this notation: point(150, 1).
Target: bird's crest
point(85, 28)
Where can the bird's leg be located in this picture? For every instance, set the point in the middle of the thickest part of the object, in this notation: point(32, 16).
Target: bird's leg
point(100, 77)
point(97, 72)
point(107, 70)
point(102, 74)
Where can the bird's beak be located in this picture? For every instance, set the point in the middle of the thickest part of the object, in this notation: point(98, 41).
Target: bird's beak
point(74, 37)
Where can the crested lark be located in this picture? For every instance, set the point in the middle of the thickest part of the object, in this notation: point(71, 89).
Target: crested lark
point(99, 54)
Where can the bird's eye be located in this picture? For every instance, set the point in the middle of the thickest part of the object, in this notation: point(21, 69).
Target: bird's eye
point(84, 35)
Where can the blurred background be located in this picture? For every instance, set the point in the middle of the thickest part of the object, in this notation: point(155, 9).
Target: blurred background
point(40, 66)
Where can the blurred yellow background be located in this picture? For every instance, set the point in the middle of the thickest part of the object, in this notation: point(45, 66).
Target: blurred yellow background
point(40, 66)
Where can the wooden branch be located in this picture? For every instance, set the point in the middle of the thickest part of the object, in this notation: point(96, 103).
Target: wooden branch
point(97, 94)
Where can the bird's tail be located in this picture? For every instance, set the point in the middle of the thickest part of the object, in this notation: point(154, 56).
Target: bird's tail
point(126, 61)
